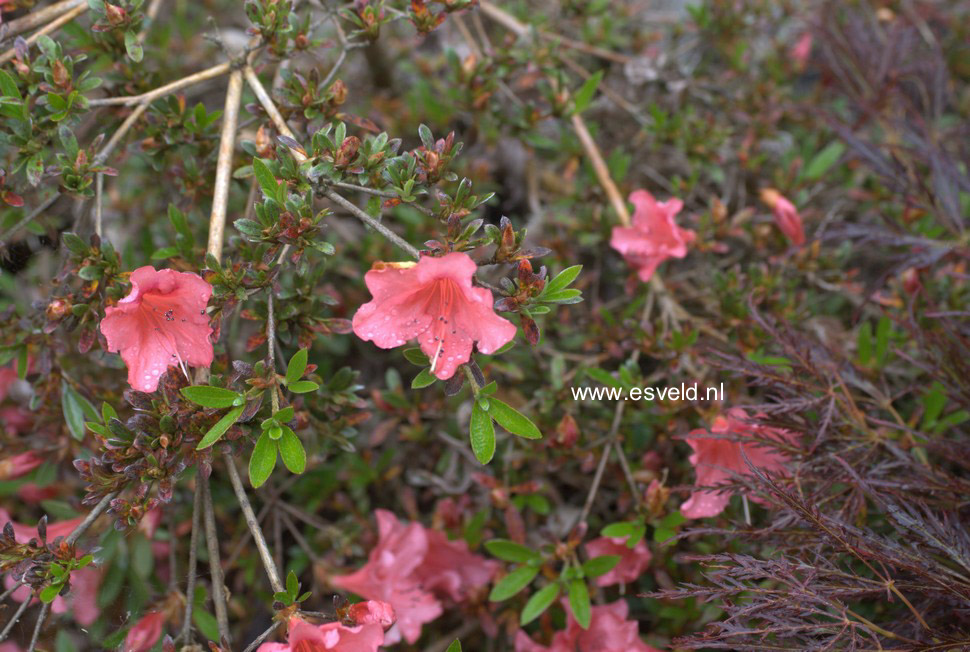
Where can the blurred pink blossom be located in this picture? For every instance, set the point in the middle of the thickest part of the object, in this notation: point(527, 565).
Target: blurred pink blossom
point(786, 215)
point(332, 637)
point(714, 459)
point(145, 633)
point(654, 235)
point(16, 466)
point(609, 631)
point(633, 561)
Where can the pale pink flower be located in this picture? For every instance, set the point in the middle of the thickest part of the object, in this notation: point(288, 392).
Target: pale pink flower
point(786, 215)
point(388, 576)
point(330, 637)
point(801, 50)
point(609, 631)
point(16, 466)
point(714, 459)
point(434, 301)
point(145, 633)
point(451, 570)
point(372, 612)
point(10, 646)
point(654, 235)
point(633, 561)
point(160, 324)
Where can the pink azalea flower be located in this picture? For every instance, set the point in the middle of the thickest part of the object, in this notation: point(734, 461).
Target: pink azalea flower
point(609, 631)
point(434, 301)
point(633, 561)
point(145, 633)
point(330, 637)
point(714, 459)
point(16, 466)
point(388, 576)
point(10, 646)
point(654, 236)
point(786, 215)
point(160, 324)
point(450, 569)
point(372, 612)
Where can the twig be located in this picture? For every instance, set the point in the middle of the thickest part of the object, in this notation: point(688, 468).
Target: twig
point(215, 567)
point(13, 587)
point(167, 89)
point(41, 617)
point(98, 199)
point(264, 99)
point(39, 17)
point(16, 617)
point(253, 525)
point(262, 637)
point(602, 171)
point(89, 519)
point(598, 477)
point(521, 29)
point(227, 141)
point(371, 222)
point(52, 26)
point(102, 156)
point(186, 632)
point(27, 218)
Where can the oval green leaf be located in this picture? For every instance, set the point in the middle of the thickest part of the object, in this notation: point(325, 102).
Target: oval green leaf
point(513, 583)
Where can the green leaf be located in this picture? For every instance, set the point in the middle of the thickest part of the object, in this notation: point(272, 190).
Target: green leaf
point(481, 432)
point(933, 403)
point(48, 593)
point(511, 551)
point(292, 584)
point(265, 178)
point(824, 160)
point(513, 583)
point(292, 452)
point(285, 414)
point(262, 461)
point(616, 530)
point(303, 386)
point(539, 602)
point(423, 379)
point(562, 280)
point(455, 646)
point(512, 420)
point(883, 330)
point(579, 602)
point(133, 47)
point(75, 244)
point(220, 428)
point(296, 367)
point(75, 408)
point(8, 86)
point(206, 622)
point(585, 93)
point(211, 397)
point(864, 343)
point(417, 357)
point(600, 565)
point(603, 377)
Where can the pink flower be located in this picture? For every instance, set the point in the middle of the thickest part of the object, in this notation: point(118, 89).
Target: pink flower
point(145, 633)
point(714, 459)
point(801, 50)
point(609, 631)
point(633, 561)
point(434, 301)
point(160, 324)
point(331, 637)
point(786, 215)
point(371, 612)
point(18, 465)
point(411, 567)
point(654, 236)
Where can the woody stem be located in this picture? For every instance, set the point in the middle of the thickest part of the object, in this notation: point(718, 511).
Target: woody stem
point(371, 222)
point(215, 565)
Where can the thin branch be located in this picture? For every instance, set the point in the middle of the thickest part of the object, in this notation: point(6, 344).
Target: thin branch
point(6, 594)
point(40, 17)
point(267, 102)
point(167, 89)
point(52, 26)
point(371, 222)
point(16, 617)
point(186, 632)
point(27, 219)
point(253, 525)
point(41, 617)
point(90, 519)
point(150, 15)
point(262, 637)
point(227, 140)
point(598, 477)
point(602, 171)
point(215, 567)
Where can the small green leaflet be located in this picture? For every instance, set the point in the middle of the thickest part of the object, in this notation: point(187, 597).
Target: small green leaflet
point(482, 434)
point(220, 428)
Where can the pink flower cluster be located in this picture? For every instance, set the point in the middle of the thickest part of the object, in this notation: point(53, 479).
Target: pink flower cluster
point(654, 236)
point(365, 636)
point(413, 568)
point(716, 459)
point(609, 631)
